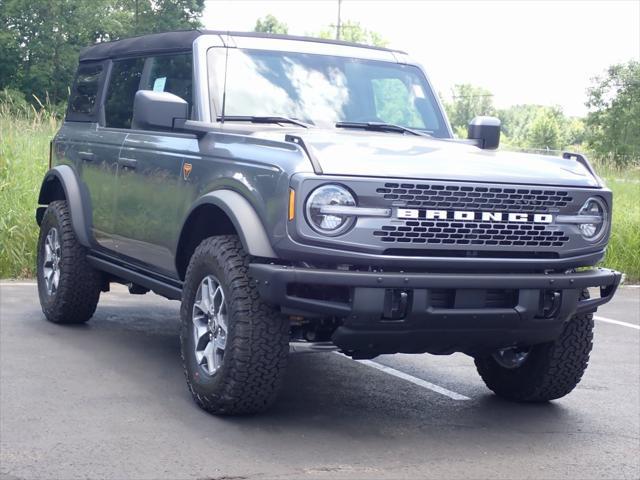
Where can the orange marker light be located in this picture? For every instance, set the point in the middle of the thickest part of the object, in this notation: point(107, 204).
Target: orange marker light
point(292, 204)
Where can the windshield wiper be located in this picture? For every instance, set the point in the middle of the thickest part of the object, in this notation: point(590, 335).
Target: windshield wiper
point(263, 119)
point(382, 127)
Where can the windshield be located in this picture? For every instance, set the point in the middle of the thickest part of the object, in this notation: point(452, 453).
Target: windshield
point(323, 90)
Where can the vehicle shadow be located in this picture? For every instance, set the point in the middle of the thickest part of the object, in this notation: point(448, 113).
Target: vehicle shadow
point(323, 393)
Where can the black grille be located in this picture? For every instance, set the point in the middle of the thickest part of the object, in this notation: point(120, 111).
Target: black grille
point(494, 298)
point(440, 232)
point(474, 197)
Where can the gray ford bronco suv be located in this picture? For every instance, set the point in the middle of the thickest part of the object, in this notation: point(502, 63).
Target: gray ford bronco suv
point(287, 189)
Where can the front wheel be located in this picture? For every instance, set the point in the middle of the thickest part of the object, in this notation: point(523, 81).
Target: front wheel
point(234, 346)
point(542, 372)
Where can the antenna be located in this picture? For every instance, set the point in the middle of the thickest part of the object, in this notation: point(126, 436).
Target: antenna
point(224, 85)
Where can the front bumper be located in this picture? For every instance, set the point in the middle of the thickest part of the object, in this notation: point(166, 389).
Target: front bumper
point(443, 312)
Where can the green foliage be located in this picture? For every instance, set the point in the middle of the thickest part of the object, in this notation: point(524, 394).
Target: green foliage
point(40, 39)
point(270, 24)
point(613, 124)
point(539, 127)
point(467, 102)
point(24, 149)
point(351, 31)
point(160, 15)
point(544, 131)
point(574, 132)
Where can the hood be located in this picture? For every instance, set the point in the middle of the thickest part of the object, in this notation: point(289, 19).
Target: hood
point(362, 153)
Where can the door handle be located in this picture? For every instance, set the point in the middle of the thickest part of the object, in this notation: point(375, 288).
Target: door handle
point(87, 156)
point(128, 162)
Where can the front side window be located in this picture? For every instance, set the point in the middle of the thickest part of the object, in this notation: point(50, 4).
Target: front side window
point(125, 79)
point(170, 73)
point(166, 73)
point(322, 89)
point(85, 90)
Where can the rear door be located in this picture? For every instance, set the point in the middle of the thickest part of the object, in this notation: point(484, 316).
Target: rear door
point(99, 160)
point(93, 151)
point(150, 175)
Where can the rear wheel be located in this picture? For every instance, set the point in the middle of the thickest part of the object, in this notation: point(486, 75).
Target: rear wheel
point(68, 287)
point(542, 372)
point(234, 346)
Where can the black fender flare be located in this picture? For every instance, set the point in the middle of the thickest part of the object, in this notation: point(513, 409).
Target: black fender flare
point(73, 193)
point(244, 217)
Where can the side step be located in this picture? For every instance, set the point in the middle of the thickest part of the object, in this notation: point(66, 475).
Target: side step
point(169, 289)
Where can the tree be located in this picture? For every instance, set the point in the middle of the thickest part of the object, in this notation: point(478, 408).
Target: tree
point(351, 31)
point(40, 39)
point(574, 132)
point(467, 102)
point(161, 15)
point(539, 127)
point(270, 24)
point(545, 131)
point(613, 123)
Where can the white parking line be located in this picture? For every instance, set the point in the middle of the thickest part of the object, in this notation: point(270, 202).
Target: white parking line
point(416, 381)
point(616, 322)
point(17, 284)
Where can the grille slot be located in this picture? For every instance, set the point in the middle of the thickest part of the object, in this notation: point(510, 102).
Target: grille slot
point(493, 298)
point(440, 232)
point(419, 195)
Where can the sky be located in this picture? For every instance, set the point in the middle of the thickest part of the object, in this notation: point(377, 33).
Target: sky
point(543, 51)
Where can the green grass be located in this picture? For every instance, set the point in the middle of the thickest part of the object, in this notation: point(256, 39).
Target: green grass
point(623, 253)
point(24, 157)
point(24, 152)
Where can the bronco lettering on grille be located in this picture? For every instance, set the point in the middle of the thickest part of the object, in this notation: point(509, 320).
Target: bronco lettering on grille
point(468, 215)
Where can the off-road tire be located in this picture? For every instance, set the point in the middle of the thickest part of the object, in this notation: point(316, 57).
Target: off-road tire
point(257, 344)
point(551, 371)
point(78, 291)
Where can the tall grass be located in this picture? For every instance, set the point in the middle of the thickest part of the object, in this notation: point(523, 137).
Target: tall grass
point(623, 253)
point(24, 149)
point(24, 153)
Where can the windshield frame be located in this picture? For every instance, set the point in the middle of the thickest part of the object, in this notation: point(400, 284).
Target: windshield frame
point(215, 103)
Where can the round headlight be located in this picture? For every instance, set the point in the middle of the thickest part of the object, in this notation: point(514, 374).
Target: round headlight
point(596, 210)
point(324, 220)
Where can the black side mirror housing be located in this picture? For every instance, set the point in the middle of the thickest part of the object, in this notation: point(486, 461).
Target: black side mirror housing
point(157, 110)
point(485, 131)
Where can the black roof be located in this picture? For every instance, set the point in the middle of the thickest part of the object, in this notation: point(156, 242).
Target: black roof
point(181, 41)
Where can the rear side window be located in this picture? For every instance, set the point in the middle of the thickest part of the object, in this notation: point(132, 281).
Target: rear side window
point(124, 83)
point(84, 96)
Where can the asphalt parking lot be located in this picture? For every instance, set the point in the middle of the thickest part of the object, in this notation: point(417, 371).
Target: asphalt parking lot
point(108, 400)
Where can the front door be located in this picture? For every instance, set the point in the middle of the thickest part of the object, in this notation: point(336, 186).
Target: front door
point(151, 174)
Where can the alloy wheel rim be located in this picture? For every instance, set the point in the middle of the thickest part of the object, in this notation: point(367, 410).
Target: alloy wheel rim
point(512, 357)
point(210, 325)
point(51, 263)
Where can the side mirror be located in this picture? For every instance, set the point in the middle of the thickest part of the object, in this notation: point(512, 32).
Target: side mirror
point(157, 110)
point(486, 130)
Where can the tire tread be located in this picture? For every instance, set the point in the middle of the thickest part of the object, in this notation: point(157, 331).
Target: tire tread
point(259, 346)
point(79, 286)
point(555, 371)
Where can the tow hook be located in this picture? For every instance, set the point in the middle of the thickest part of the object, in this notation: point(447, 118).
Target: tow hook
point(396, 303)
